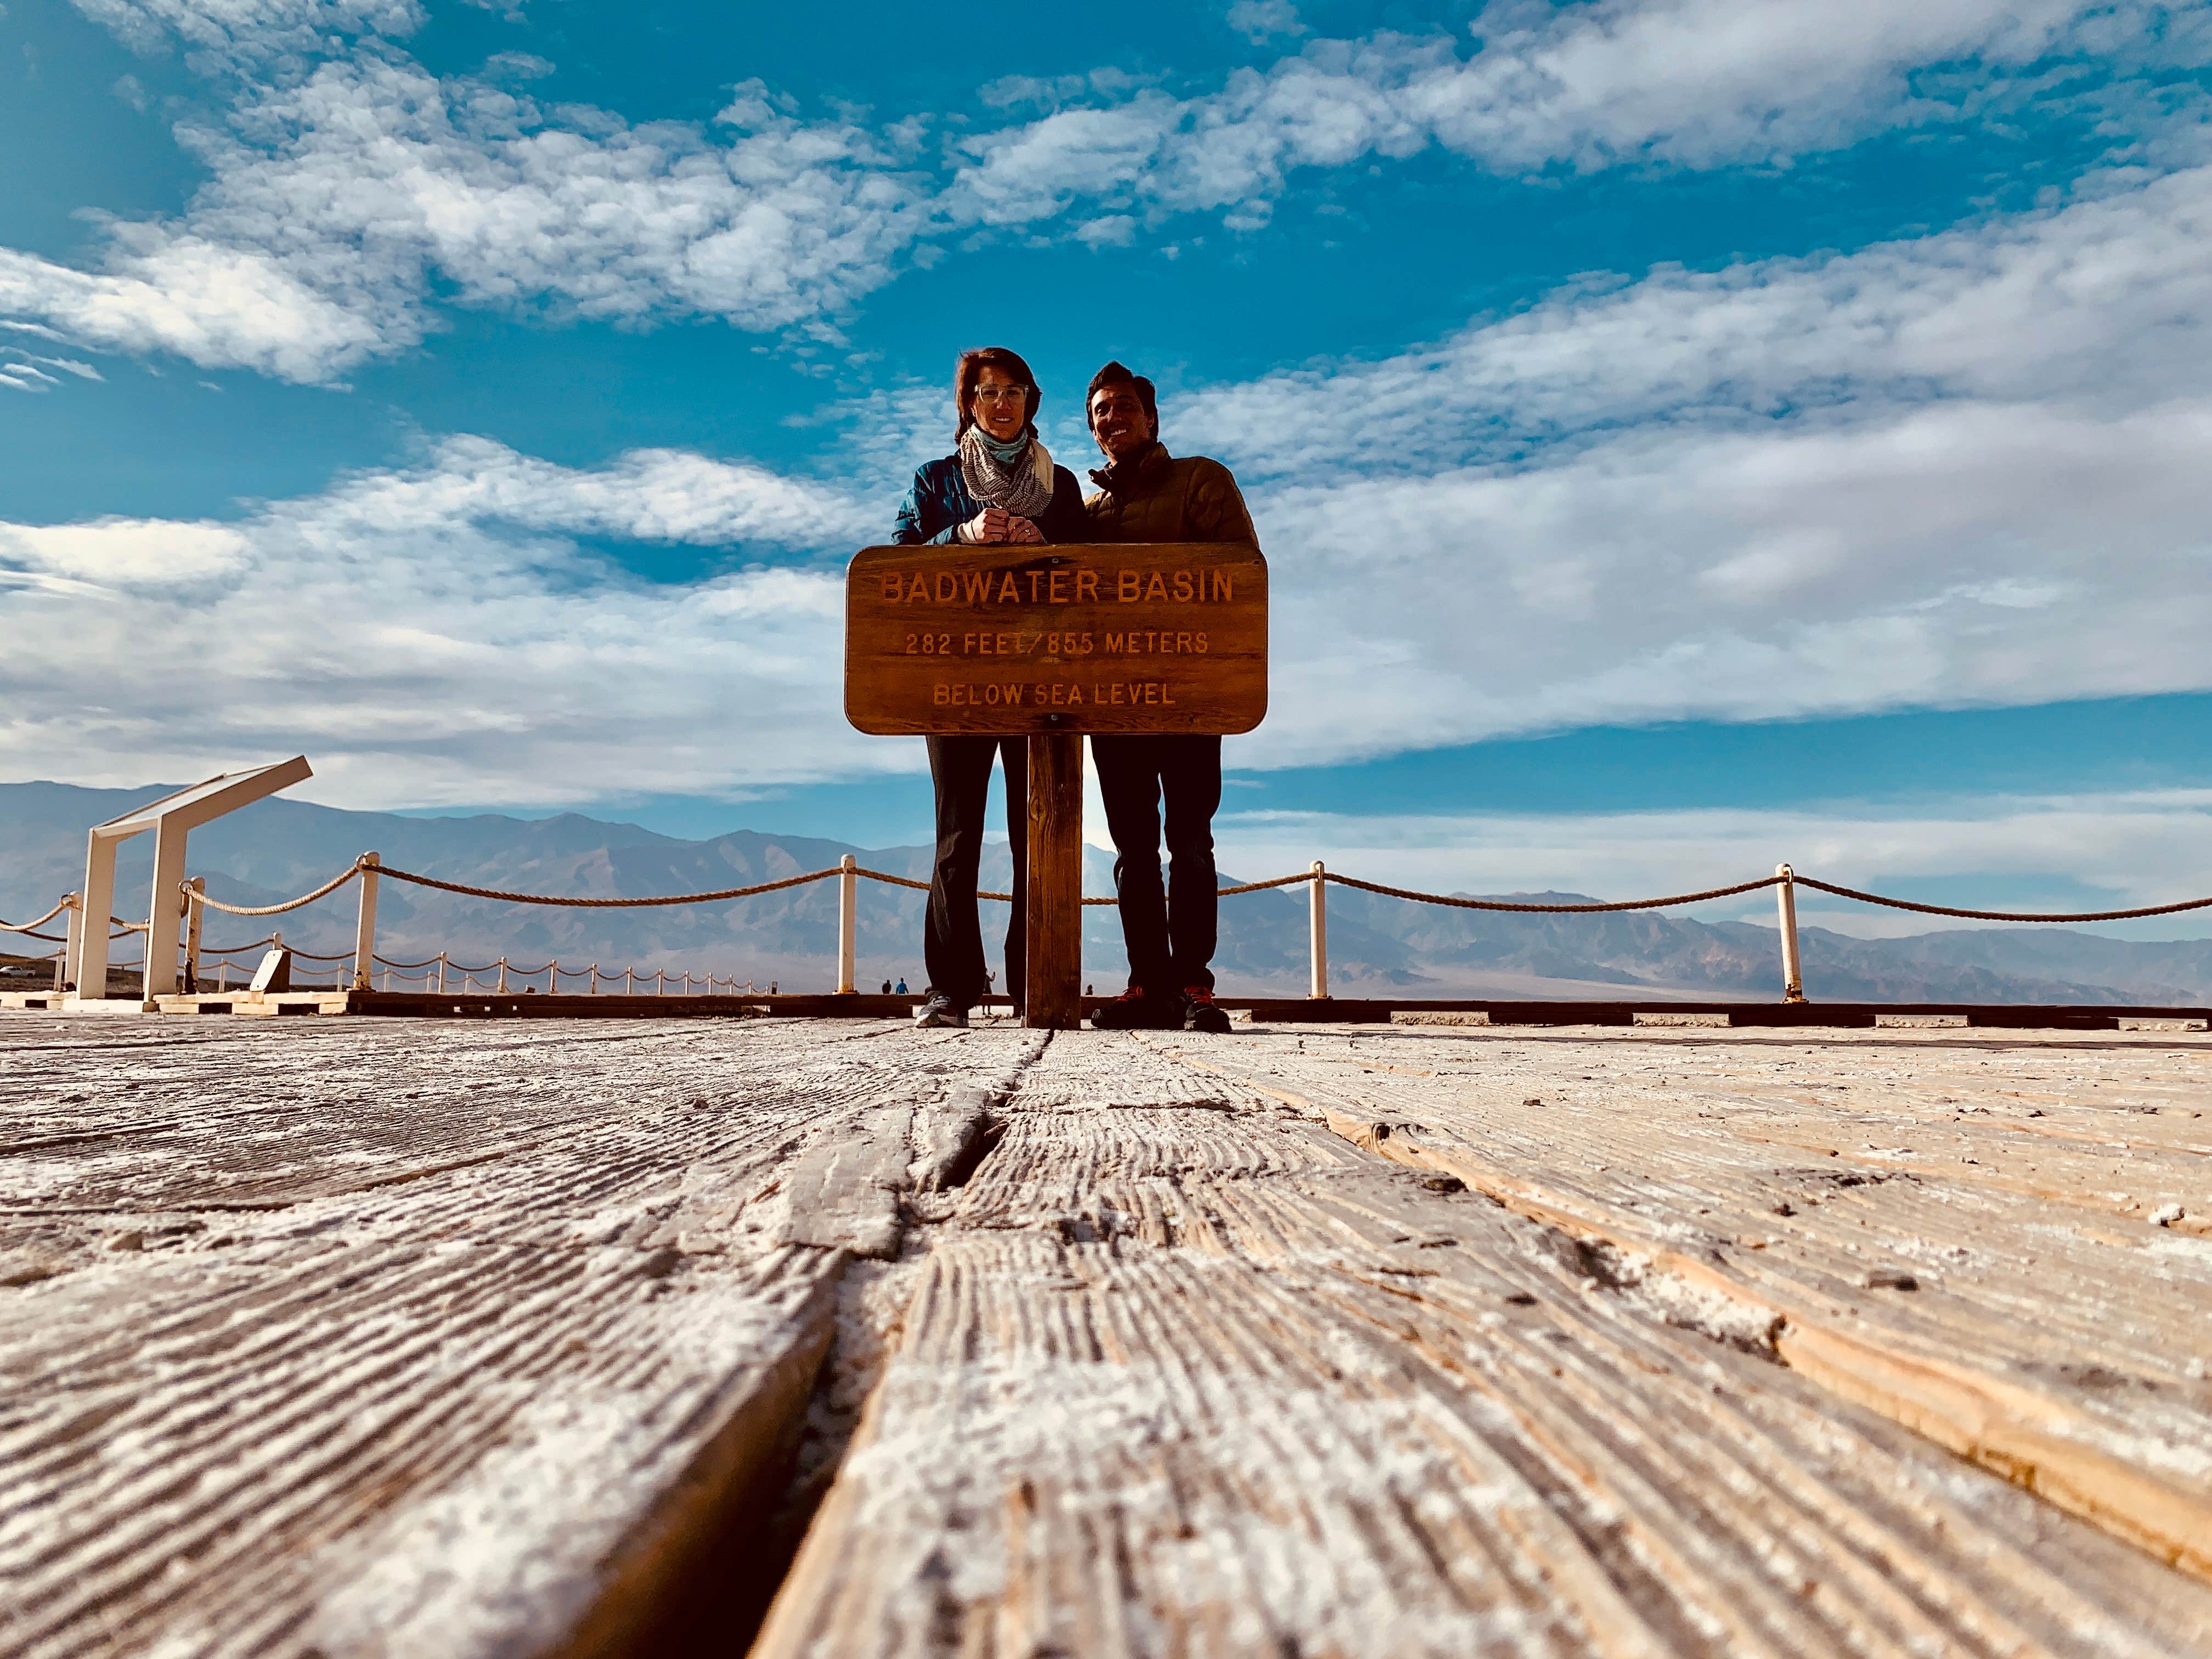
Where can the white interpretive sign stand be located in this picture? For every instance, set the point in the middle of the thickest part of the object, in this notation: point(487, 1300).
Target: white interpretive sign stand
point(171, 818)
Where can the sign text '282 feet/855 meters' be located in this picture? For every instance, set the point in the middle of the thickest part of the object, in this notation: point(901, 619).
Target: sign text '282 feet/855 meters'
point(1143, 636)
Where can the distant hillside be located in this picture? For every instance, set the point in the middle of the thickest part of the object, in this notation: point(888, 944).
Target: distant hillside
point(279, 847)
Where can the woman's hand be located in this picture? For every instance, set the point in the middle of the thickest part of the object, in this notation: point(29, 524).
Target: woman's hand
point(992, 525)
point(1022, 530)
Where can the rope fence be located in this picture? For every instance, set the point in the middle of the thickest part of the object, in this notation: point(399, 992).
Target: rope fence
point(124, 928)
point(194, 897)
point(1543, 910)
point(1453, 901)
point(2004, 915)
point(581, 904)
point(433, 971)
point(35, 921)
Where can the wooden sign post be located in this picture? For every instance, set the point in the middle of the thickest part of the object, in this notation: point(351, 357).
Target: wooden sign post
point(1054, 642)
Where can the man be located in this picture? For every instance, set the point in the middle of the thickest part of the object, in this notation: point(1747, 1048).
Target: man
point(1146, 495)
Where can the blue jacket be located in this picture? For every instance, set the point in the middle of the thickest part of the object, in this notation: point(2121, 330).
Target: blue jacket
point(938, 504)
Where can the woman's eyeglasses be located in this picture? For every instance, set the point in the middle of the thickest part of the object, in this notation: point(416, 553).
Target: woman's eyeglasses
point(1001, 394)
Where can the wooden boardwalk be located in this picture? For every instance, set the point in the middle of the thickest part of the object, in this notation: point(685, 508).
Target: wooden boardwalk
point(344, 1337)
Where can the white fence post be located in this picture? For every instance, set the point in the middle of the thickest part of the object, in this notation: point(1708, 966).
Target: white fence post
point(193, 914)
point(629, 981)
point(364, 937)
point(594, 987)
point(75, 949)
point(441, 973)
point(502, 977)
point(1317, 929)
point(848, 904)
point(163, 911)
point(1785, 904)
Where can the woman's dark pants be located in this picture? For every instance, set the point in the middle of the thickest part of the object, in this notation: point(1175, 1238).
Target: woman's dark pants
point(952, 940)
point(1169, 929)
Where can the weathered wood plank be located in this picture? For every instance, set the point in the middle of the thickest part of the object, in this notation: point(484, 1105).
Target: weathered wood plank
point(1052, 977)
point(1183, 1371)
point(1935, 1243)
point(356, 1337)
point(360, 1344)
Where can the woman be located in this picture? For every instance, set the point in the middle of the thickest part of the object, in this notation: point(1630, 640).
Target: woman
point(999, 485)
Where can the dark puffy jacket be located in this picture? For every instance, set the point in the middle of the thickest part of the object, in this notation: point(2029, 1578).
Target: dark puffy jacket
point(938, 504)
point(1155, 497)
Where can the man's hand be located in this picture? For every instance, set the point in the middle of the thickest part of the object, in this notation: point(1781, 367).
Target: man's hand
point(1021, 530)
point(992, 525)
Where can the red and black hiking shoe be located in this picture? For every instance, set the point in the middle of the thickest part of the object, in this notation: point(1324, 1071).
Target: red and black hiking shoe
point(1203, 1016)
point(1132, 1011)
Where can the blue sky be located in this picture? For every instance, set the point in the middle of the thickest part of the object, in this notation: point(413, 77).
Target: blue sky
point(1687, 433)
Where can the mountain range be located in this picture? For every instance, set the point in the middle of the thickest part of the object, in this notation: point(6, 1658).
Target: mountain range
point(1378, 946)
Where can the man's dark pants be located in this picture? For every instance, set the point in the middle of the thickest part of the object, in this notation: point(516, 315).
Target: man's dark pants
point(1169, 930)
point(952, 939)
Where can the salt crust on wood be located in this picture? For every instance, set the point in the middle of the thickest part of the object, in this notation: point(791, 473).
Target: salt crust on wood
point(381, 1341)
point(1954, 1236)
point(346, 1342)
point(1185, 1371)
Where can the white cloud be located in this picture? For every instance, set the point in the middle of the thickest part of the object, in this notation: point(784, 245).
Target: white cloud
point(125, 552)
point(2142, 849)
point(2106, 302)
point(651, 494)
point(30, 369)
point(335, 203)
point(230, 32)
point(516, 66)
point(1261, 20)
point(1961, 471)
point(220, 305)
point(1682, 82)
point(437, 635)
point(1746, 576)
point(342, 194)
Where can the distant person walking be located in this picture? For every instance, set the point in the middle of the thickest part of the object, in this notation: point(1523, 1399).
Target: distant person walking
point(998, 486)
point(1146, 495)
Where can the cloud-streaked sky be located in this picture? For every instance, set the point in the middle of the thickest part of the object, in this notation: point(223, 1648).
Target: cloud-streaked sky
point(484, 399)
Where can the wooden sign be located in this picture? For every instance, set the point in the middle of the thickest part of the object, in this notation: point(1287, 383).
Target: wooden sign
point(1142, 637)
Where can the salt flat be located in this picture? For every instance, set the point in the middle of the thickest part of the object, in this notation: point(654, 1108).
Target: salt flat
point(364, 1337)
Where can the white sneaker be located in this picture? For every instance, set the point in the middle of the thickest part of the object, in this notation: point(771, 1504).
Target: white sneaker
point(940, 1010)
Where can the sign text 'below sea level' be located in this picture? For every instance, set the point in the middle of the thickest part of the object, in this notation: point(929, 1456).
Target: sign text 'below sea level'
point(1149, 636)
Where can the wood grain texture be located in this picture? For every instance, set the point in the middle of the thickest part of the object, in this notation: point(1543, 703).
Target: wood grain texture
point(351, 1337)
point(1926, 1236)
point(1052, 978)
point(1184, 1372)
point(323, 1338)
point(1154, 636)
